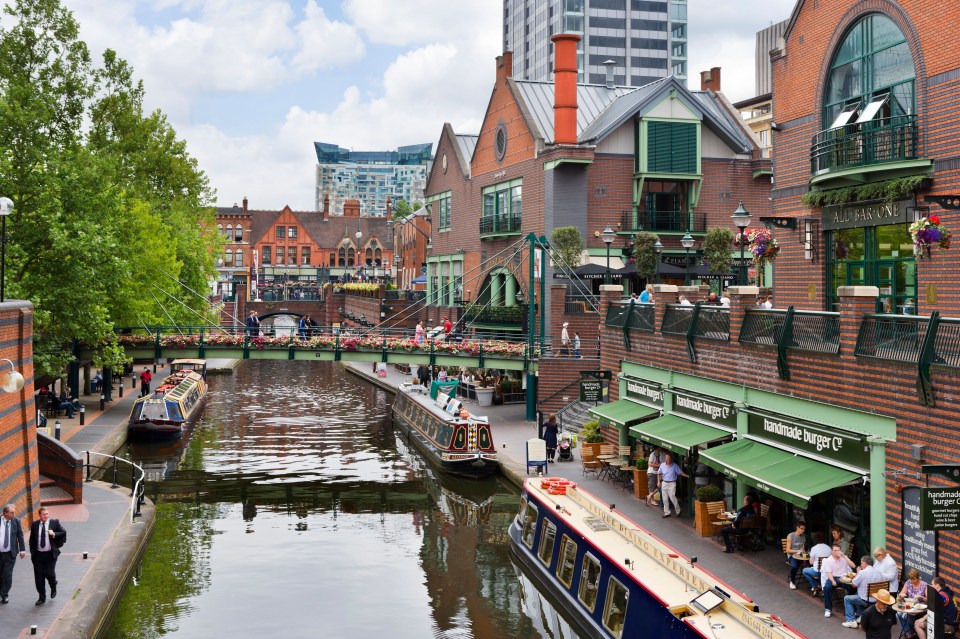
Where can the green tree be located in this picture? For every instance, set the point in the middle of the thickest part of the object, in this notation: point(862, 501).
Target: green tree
point(644, 254)
point(567, 246)
point(716, 249)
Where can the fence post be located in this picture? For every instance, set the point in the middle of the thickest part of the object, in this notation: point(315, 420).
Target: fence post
point(114, 472)
point(157, 354)
point(88, 466)
point(383, 355)
point(336, 347)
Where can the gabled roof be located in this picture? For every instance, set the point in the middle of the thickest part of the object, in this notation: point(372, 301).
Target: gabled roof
point(537, 102)
point(466, 145)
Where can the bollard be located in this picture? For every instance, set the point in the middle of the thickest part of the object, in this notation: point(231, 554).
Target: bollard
point(154, 367)
point(102, 397)
point(33, 630)
point(56, 430)
point(83, 414)
point(120, 386)
point(133, 380)
point(84, 554)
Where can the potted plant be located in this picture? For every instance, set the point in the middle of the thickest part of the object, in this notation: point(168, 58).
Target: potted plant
point(485, 389)
point(640, 478)
point(710, 502)
point(590, 437)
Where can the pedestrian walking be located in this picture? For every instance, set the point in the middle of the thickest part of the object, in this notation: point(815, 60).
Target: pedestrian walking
point(419, 333)
point(302, 329)
point(253, 325)
point(550, 433)
point(145, 379)
point(667, 476)
point(576, 345)
point(46, 537)
point(565, 339)
point(11, 544)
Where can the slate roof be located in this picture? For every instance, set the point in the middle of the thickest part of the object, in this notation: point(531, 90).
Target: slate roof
point(592, 99)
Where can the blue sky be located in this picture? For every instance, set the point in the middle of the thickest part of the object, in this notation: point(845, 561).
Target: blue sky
point(251, 84)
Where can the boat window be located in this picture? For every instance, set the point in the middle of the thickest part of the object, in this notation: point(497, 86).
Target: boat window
point(153, 410)
point(523, 507)
point(567, 561)
point(529, 525)
point(175, 413)
point(547, 540)
point(615, 608)
point(589, 582)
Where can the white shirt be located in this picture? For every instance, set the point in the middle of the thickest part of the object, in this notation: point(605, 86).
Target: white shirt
point(818, 551)
point(685, 303)
point(565, 336)
point(767, 304)
point(888, 568)
point(836, 567)
point(724, 301)
point(863, 579)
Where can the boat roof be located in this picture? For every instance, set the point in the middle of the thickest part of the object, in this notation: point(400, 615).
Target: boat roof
point(665, 573)
point(195, 362)
point(436, 406)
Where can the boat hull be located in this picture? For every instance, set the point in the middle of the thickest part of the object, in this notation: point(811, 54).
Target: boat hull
point(413, 418)
point(174, 406)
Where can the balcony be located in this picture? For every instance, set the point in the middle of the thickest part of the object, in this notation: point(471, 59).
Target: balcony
point(500, 225)
point(662, 222)
point(881, 149)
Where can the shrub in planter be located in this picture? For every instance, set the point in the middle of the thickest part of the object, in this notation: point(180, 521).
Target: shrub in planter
point(703, 519)
point(642, 463)
point(709, 493)
point(590, 433)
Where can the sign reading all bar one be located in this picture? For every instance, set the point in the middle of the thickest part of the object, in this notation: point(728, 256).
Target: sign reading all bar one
point(644, 392)
point(710, 410)
point(818, 440)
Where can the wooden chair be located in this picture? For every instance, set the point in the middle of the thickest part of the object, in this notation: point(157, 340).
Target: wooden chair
point(747, 534)
point(874, 587)
point(590, 463)
point(714, 508)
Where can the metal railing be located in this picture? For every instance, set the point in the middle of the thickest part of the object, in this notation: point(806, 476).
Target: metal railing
point(631, 315)
point(581, 304)
point(500, 224)
point(713, 322)
point(946, 343)
point(665, 221)
point(814, 331)
point(112, 469)
point(874, 142)
point(897, 338)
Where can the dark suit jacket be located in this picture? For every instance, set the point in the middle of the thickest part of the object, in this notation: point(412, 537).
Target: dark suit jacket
point(747, 512)
point(16, 543)
point(58, 534)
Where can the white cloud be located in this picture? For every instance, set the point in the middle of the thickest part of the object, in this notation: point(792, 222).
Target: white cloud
point(413, 22)
point(325, 43)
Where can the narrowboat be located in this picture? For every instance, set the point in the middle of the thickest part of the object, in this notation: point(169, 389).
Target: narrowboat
point(446, 434)
point(615, 579)
point(174, 404)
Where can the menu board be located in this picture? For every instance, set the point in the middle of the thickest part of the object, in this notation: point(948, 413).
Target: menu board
point(919, 546)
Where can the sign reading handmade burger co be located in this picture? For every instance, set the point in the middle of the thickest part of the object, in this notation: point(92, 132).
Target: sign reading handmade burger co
point(644, 392)
point(708, 410)
point(819, 441)
point(940, 508)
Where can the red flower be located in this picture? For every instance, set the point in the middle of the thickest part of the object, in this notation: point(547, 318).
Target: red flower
point(934, 219)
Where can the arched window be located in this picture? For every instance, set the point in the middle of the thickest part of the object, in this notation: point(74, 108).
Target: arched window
point(228, 258)
point(220, 229)
point(238, 258)
point(229, 233)
point(351, 256)
point(342, 261)
point(368, 256)
point(238, 233)
point(871, 77)
point(378, 257)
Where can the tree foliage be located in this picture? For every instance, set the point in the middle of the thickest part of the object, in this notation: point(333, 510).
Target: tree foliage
point(112, 223)
point(567, 245)
point(716, 249)
point(644, 255)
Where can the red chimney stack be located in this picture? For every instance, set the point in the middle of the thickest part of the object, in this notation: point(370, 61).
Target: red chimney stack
point(710, 80)
point(565, 88)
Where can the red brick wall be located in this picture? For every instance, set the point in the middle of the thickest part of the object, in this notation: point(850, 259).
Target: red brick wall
point(19, 470)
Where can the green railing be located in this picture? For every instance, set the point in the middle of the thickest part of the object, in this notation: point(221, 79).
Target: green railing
point(631, 315)
point(664, 221)
point(788, 329)
point(491, 224)
point(874, 142)
point(700, 320)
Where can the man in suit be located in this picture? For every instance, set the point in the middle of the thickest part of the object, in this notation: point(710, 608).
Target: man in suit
point(11, 544)
point(46, 537)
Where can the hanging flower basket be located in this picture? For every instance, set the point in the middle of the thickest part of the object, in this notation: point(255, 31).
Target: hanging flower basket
point(762, 245)
point(927, 232)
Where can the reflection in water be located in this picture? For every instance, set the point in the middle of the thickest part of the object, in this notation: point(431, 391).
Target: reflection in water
point(295, 510)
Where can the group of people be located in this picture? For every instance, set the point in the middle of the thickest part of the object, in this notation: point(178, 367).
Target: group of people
point(307, 327)
point(47, 399)
point(566, 342)
point(872, 613)
point(46, 537)
point(662, 476)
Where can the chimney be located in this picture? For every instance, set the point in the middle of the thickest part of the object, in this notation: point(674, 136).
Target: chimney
point(389, 208)
point(710, 80)
point(609, 64)
point(326, 206)
point(565, 88)
point(244, 203)
point(351, 208)
point(504, 67)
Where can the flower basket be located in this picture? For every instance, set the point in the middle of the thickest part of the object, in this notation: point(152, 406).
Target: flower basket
point(762, 246)
point(927, 232)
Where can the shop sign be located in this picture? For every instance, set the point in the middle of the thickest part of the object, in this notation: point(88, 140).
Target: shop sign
point(820, 441)
point(709, 410)
point(591, 391)
point(940, 508)
point(860, 214)
point(644, 392)
point(919, 544)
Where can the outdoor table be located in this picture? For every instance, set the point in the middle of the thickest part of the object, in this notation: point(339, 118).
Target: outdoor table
point(605, 461)
point(916, 610)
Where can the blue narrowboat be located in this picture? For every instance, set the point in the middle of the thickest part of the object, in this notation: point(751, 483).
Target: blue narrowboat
point(615, 579)
point(173, 405)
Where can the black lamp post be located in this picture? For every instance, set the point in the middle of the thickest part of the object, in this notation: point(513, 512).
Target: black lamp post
point(6, 208)
point(741, 217)
point(658, 249)
point(607, 236)
point(687, 243)
point(397, 260)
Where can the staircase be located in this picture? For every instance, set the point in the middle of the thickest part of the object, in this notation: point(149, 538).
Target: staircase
point(51, 494)
point(573, 416)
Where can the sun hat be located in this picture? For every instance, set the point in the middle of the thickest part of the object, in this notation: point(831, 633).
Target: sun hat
point(885, 597)
point(566, 323)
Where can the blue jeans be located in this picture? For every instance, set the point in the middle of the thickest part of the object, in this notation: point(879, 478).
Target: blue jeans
point(853, 606)
point(812, 576)
point(68, 407)
point(794, 566)
point(828, 589)
point(906, 622)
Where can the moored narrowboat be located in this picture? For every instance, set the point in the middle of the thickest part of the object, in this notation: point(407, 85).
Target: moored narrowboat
point(446, 434)
point(174, 404)
point(615, 579)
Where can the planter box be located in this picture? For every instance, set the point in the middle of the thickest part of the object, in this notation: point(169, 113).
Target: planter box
point(315, 355)
point(703, 520)
point(639, 483)
point(179, 353)
point(593, 447)
point(218, 352)
point(484, 397)
point(361, 356)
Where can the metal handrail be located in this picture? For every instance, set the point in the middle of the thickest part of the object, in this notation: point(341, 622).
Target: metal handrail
point(137, 487)
point(815, 331)
point(874, 142)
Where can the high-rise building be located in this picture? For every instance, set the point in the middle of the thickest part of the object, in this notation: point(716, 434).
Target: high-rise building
point(371, 177)
point(645, 40)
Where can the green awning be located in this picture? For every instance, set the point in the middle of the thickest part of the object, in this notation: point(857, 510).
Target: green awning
point(677, 434)
point(780, 473)
point(623, 412)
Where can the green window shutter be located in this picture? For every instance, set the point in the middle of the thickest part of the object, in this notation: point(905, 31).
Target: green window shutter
point(671, 147)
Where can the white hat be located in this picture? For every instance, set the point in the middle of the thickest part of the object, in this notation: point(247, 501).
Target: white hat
point(566, 323)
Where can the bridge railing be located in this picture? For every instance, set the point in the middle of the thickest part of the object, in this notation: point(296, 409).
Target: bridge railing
point(118, 469)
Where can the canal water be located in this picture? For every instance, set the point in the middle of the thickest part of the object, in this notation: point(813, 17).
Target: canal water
point(295, 509)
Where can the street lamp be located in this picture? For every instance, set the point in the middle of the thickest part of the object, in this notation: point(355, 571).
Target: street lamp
point(658, 249)
point(397, 261)
point(687, 243)
point(358, 235)
point(741, 217)
point(6, 208)
point(608, 236)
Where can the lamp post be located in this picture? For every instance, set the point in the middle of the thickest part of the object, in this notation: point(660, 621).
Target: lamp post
point(397, 261)
point(687, 243)
point(607, 236)
point(741, 217)
point(6, 208)
point(358, 235)
point(658, 249)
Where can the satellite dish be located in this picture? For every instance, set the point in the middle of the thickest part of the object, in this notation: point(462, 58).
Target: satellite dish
point(11, 382)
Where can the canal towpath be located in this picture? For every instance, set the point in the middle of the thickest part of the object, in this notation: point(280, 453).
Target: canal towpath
point(762, 576)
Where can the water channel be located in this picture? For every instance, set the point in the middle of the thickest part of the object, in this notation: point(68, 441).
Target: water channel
point(295, 509)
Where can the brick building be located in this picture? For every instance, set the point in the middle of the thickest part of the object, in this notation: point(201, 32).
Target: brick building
point(830, 405)
point(658, 158)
